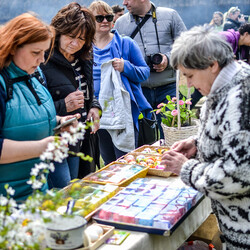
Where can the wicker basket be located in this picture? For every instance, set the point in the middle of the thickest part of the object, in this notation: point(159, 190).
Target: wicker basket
point(173, 134)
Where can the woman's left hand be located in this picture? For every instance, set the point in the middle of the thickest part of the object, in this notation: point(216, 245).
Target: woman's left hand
point(94, 113)
point(118, 64)
point(173, 161)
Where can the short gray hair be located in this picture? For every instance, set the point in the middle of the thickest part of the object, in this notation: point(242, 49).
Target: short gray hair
point(199, 47)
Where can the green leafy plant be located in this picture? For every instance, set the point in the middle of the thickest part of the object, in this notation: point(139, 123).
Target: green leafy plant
point(169, 112)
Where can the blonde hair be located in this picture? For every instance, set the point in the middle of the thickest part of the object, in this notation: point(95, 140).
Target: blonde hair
point(21, 30)
point(100, 6)
point(232, 10)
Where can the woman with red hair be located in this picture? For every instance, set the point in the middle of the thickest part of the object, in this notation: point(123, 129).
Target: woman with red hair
point(27, 112)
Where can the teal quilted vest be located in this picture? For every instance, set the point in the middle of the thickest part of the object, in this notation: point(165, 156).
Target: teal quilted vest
point(25, 120)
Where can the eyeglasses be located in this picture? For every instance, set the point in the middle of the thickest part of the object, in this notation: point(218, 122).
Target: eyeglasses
point(100, 18)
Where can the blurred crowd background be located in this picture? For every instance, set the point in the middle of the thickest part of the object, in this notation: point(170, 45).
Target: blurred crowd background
point(193, 12)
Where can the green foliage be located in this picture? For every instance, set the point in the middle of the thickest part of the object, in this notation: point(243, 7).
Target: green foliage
point(169, 112)
point(184, 90)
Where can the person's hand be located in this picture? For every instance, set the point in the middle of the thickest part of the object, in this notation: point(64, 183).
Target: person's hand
point(241, 19)
point(65, 118)
point(173, 161)
point(74, 100)
point(94, 115)
point(43, 144)
point(186, 147)
point(118, 64)
point(163, 65)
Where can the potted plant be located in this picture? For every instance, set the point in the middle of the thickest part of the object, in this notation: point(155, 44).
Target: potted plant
point(177, 122)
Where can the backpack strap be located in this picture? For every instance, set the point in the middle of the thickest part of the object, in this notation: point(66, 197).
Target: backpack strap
point(10, 81)
point(40, 77)
point(9, 88)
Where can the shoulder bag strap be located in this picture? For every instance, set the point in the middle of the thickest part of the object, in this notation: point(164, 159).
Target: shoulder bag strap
point(138, 27)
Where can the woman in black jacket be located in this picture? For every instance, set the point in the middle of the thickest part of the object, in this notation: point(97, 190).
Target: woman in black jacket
point(70, 80)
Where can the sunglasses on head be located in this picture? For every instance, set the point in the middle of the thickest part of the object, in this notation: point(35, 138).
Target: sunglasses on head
point(100, 18)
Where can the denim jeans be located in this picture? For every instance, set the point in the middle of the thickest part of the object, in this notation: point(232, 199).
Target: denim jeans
point(64, 172)
point(108, 150)
point(158, 95)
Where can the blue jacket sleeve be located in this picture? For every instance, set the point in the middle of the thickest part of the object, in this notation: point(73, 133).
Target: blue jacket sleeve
point(135, 67)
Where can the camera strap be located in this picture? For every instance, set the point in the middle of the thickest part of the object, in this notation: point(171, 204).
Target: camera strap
point(143, 21)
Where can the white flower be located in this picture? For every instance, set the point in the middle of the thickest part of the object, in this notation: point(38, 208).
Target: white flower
point(73, 130)
point(3, 201)
point(10, 191)
point(50, 193)
point(36, 184)
point(34, 171)
point(66, 136)
point(51, 146)
point(81, 126)
point(11, 234)
point(43, 165)
point(46, 156)
point(43, 178)
point(33, 203)
point(51, 167)
point(22, 206)
point(12, 203)
point(60, 156)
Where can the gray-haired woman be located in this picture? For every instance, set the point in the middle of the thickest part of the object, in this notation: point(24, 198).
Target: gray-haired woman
point(217, 161)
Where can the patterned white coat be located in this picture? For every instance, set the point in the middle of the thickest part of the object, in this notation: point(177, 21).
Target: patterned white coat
point(221, 168)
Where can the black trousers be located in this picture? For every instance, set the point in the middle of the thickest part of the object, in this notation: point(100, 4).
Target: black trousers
point(90, 146)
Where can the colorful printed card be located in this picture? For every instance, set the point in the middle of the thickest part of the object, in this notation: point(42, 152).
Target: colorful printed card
point(118, 237)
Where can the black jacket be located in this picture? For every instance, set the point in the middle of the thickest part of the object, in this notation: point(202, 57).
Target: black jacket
point(231, 24)
point(60, 77)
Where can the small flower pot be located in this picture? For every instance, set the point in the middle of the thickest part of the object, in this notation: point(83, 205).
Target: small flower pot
point(65, 232)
